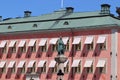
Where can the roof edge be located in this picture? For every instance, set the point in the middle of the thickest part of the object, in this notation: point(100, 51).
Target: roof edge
point(64, 29)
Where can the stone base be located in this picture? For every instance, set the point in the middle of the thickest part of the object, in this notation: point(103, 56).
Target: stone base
point(32, 76)
point(60, 59)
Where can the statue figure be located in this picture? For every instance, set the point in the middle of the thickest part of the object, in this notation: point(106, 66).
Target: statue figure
point(60, 46)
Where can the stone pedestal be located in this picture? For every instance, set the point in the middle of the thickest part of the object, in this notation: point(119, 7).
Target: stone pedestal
point(32, 76)
point(60, 59)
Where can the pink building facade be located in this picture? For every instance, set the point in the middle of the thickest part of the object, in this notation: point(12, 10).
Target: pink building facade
point(28, 46)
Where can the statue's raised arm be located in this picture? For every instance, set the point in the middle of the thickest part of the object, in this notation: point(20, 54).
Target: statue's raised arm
point(61, 47)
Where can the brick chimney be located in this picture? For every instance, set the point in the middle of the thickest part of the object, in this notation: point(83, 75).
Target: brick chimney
point(105, 9)
point(69, 9)
point(0, 18)
point(118, 11)
point(27, 13)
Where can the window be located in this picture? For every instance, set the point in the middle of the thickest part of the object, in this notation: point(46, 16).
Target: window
point(3, 69)
point(32, 69)
point(90, 69)
point(77, 46)
point(44, 48)
point(54, 69)
point(77, 69)
point(102, 46)
point(90, 46)
point(35, 25)
point(67, 45)
point(9, 27)
point(66, 69)
point(54, 47)
point(102, 69)
point(43, 69)
point(4, 49)
point(23, 69)
point(13, 49)
point(33, 48)
point(102, 42)
point(66, 23)
point(43, 44)
point(13, 69)
point(23, 49)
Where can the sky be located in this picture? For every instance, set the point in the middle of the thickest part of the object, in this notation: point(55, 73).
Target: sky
point(16, 8)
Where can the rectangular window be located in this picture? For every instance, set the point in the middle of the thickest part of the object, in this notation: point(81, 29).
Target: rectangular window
point(54, 47)
point(42, 69)
point(23, 69)
point(74, 69)
point(67, 46)
point(13, 49)
point(66, 69)
point(77, 69)
point(43, 48)
point(13, 69)
point(3, 69)
point(23, 49)
point(77, 46)
point(102, 46)
point(54, 70)
point(90, 69)
point(102, 69)
point(4, 49)
point(33, 48)
point(90, 46)
point(32, 69)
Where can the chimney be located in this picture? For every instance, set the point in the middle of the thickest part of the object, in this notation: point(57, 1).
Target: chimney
point(118, 11)
point(0, 18)
point(69, 9)
point(105, 9)
point(27, 13)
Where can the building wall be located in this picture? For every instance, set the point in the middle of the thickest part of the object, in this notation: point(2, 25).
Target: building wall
point(118, 55)
point(71, 54)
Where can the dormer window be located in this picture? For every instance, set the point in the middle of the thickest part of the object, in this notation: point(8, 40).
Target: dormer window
point(9, 27)
point(66, 23)
point(35, 25)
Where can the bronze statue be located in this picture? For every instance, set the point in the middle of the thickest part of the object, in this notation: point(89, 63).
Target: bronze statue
point(61, 47)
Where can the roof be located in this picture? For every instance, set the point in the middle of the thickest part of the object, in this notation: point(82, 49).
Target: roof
point(59, 20)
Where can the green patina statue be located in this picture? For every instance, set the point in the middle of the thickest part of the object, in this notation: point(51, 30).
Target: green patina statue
point(61, 47)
